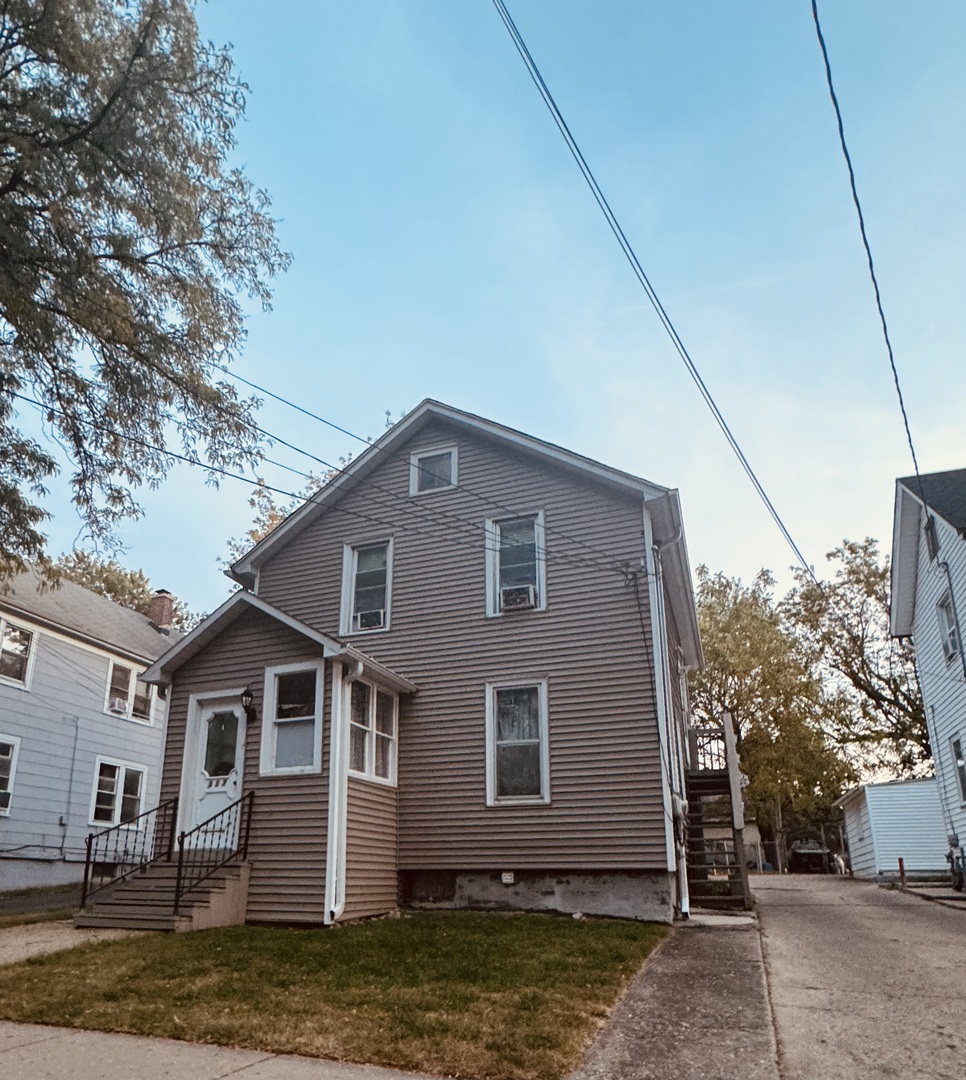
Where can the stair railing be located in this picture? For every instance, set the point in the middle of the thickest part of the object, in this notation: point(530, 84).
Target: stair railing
point(119, 851)
point(215, 843)
point(707, 749)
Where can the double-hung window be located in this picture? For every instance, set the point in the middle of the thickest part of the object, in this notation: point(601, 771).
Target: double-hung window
point(517, 749)
point(292, 725)
point(434, 469)
point(959, 763)
point(948, 630)
point(15, 646)
point(516, 577)
point(366, 587)
point(9, 749)
point(372, 733)
point(118, 791)
point(127, 695)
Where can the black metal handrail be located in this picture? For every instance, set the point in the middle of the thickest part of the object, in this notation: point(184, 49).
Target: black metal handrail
point(707, 749)
point(119, 851)
point(205, 849)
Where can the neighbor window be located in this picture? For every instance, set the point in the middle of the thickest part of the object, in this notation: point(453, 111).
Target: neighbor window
point(15, 645)
point(515, 564)
point(372, 732)
point(366, 587)
point(948, 630)
point(118, 789)
point(291, 729)
point(9, 748)
point(127, 695)
point(432, 470)
point(517, 753)
point(960, 764)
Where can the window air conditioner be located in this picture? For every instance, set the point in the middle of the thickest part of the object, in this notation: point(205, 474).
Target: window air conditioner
point(518, 597)
point(370, 620)
point(118, 705)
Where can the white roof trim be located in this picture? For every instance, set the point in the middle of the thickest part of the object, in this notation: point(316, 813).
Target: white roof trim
point(245, 567)
point(159, 671)
point(906, 527)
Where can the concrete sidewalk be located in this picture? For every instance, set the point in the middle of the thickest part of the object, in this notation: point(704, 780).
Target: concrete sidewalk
point(33, 1052)
point(698, 1010)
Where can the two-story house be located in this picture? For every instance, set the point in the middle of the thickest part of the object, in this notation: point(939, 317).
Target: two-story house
point(928, 605)
point(455, 676)
point(81, 733)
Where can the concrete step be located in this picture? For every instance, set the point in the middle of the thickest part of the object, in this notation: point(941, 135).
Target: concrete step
point(133, 920)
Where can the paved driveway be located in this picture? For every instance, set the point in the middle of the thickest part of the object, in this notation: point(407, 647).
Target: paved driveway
point(865, 983)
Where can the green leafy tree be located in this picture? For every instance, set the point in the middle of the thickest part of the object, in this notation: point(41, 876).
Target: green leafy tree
point(845, 620)
point(107, 577)
point(761, 673)
point(128, 245)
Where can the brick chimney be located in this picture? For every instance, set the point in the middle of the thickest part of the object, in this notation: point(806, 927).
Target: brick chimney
point(161, 610)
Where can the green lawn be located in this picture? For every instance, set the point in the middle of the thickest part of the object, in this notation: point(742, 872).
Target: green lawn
point(460, 993)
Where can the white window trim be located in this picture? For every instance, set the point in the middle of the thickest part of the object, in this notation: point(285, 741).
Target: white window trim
point(349, 564)
point(432, 451)
point(948, 627)
point(14, 741)
point(492, 541)
point(266, 762)
point(119, 794)
point(31, 655)
point(128, 714)
point(492, 799)
point(957, 738)
point(370, 770)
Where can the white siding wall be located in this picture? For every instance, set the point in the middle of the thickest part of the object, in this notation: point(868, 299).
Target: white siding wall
point(907, 823)
point(63, 728)
point(943, 682)
point(859, 831)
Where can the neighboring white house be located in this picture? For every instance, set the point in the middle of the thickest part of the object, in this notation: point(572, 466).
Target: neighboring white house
point(81, 736)
point(887, 822)
point(928, 605)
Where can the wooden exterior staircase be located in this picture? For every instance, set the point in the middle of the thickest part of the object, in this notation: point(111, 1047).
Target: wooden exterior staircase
point(717, 874)
point(140, 876)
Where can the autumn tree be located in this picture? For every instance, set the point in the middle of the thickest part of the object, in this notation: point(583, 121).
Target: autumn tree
point(845, 621)
point(761, 673)
point(108, 578)
point(128, 245)
point(270, 511)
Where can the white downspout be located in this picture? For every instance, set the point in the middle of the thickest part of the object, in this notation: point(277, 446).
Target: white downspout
point(343, 677)
point(660, 695)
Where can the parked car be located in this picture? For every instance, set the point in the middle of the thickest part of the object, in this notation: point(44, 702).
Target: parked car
point(806, 857)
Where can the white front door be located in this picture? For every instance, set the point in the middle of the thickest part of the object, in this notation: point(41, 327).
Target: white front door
point(220, 753)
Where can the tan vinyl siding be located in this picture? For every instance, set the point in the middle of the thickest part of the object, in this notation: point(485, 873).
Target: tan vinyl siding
point(288, 837)
point(371, 837)
point(592, 645)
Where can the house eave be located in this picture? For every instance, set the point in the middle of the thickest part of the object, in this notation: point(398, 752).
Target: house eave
point(668, 525)
point(906, 529)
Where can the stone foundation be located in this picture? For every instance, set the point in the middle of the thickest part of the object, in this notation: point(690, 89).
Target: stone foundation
point(640, 894)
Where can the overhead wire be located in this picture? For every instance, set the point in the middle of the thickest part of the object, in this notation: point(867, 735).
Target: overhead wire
point(865, 241)
point(629, 253)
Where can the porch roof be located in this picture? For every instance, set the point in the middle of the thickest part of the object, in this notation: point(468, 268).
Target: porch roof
point(164, 668)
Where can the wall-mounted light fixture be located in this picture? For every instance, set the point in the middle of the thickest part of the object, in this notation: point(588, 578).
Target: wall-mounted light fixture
point(248, 704)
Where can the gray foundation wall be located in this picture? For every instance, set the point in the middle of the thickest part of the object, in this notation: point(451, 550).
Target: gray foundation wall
point(37, 873)
point(645, 895)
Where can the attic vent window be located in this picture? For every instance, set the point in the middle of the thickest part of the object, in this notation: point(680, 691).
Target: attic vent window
point(948, 628)
point(432, 470)
point(932, 539)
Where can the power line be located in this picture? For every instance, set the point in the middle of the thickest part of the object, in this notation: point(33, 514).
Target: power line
point(475, 540)
point(642, 278)
point(865, 239)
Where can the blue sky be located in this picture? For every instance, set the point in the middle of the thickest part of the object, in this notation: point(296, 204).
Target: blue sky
point(445, 246)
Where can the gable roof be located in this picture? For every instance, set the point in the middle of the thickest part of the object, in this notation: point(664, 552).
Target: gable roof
point(233, 608)
point(245, 569)
point(945, 495)
point(85, 615)
point(663, 503)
